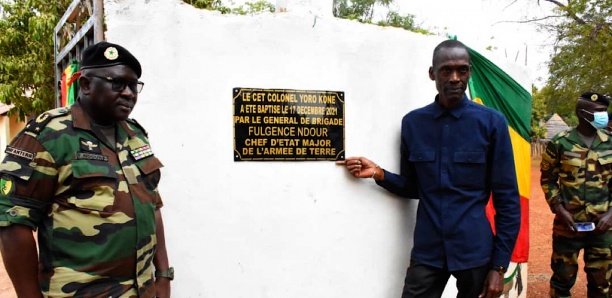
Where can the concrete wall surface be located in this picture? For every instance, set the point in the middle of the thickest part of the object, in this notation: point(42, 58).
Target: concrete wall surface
point(274, 229)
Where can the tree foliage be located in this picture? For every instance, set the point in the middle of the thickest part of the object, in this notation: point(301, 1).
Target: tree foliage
point(247, 8)
point(363, 11)
point(26, 54)
point(582, 53)
point(394, 19)
point(538, 113)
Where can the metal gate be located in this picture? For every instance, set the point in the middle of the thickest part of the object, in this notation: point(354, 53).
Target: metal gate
point(81, 26)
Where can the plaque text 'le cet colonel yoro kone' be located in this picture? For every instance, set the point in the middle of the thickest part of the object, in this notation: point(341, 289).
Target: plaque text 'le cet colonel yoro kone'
point(288, 125)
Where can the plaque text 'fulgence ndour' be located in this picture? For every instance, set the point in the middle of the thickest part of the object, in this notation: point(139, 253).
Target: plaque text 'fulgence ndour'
point(288, 125)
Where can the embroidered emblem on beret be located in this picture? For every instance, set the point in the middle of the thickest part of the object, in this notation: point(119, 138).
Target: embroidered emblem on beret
point(104, 54)
point(111, 53)
point(596, 97)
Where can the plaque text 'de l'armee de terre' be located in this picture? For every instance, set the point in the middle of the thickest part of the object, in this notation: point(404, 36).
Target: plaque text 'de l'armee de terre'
point(288, 125)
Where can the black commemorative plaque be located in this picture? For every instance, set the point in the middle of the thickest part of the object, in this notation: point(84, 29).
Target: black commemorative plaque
point(288, 125)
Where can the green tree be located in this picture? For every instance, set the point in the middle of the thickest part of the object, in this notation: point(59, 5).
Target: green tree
point(539, 113)
point(582, 52)
point(247, 8)
point(363, 11)
point(26, 54)
point(205, 4)
point(395, 19)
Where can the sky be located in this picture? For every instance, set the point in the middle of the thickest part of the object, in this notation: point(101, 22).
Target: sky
point(483, 23)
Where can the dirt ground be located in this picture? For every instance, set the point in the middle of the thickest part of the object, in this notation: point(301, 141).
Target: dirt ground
point(539, 251)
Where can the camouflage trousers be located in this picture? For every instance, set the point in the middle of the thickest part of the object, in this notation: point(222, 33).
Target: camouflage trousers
point(597, 259)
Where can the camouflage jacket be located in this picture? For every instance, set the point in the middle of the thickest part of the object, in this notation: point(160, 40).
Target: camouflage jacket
point(577, 176)
point(93, 204)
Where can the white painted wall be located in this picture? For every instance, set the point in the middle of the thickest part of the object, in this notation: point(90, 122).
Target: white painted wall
point(274, 229)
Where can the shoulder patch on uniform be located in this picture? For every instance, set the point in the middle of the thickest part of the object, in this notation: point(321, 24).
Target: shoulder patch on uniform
point(6, 186)
point(37, 124)
point(134, 122)
point(19, 153)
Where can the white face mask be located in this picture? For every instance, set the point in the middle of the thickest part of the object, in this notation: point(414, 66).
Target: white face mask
point(600, 119)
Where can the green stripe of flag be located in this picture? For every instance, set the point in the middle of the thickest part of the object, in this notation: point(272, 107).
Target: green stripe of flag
point(499, 91)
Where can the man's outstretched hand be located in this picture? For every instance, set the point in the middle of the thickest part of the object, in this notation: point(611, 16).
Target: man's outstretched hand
point(361, 167)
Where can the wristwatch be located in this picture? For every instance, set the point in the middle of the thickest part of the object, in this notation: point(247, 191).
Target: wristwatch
point(500, 269)
point(169, 273)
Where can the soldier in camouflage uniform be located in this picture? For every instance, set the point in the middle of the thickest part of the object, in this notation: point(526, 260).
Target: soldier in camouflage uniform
point(576, 172)
point(85, 177)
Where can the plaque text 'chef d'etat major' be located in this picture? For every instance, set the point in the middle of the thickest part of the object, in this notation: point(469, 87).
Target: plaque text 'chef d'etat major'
point(288, 125)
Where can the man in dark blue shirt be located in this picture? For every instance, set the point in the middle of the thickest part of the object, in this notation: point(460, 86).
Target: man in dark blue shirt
point(455, 154)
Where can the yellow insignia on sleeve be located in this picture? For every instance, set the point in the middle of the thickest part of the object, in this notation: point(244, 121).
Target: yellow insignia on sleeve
point(111, 53)
point(594, 97)
point(6, 186)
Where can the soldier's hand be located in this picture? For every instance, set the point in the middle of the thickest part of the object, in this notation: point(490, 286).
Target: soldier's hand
point(361, 167)
point(604, 222)
point(162, 287)
point(565, 216)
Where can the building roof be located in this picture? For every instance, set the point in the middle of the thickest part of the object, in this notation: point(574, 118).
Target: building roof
point(555, 125)
point(4, 108)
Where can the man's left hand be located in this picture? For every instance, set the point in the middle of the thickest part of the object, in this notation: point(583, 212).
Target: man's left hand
point(493, 286)
point(162, 287)
point(604, 222)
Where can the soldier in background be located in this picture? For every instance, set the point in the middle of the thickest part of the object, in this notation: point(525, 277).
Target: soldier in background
point(85, 177)
point(576, 171)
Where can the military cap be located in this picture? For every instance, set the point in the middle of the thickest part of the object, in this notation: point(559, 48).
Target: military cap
point(105, 54)
point(592, 96)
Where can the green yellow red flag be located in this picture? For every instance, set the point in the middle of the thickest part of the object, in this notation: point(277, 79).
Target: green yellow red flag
point(492, 87)
point(69, 84)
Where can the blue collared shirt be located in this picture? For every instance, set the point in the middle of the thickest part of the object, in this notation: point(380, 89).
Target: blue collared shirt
point(452, 161)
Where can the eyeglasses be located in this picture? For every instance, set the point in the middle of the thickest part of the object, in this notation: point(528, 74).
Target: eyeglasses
point(119, 85)
point(592, 113)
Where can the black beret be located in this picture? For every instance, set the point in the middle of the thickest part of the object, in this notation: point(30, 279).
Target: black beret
point(104, 54)
point(592, 96)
